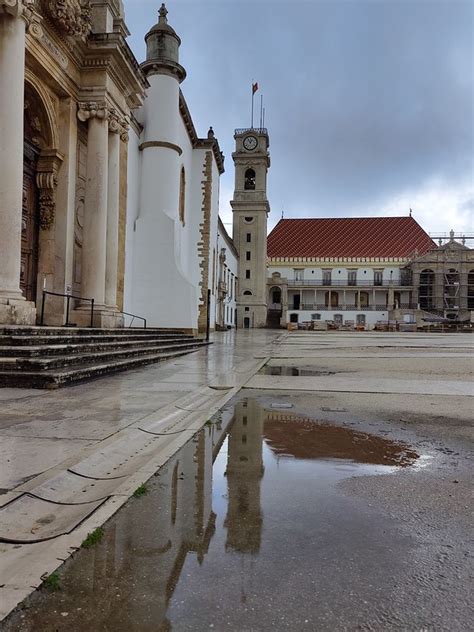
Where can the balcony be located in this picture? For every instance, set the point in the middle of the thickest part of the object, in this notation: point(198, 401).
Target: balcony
point(348, 283)
point(347, 307)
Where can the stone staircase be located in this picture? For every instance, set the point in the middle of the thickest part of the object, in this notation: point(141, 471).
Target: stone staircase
point(51, 357)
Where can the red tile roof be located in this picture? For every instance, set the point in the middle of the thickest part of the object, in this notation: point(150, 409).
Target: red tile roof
point(348, 237)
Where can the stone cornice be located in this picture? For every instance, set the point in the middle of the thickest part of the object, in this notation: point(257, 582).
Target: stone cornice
point(289, 261)
point(111, 51)
point(202, 143)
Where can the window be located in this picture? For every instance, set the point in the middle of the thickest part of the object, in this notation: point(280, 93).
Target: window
point(299, 274)
point(249, 220)
point(378, 277)
point(426, 289)
point(276, 296)
point(247, 274)
point(182, 189)
point(315, 316)
point(360, 319)
point(338, 319)
point(249, 237)
point(249, 183)
point(334, 299)
point(352, 277)
point(247, 255)
point(364, 300)
point(247, 293)
point(470, 290)
point(327, 277)
point(293, 318)
point(213, 270)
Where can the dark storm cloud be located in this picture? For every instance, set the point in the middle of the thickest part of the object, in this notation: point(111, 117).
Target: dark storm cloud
point(368, 103)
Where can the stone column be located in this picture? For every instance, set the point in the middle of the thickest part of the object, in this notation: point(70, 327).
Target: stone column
point(113, 199)
point(95, 203)
point(14, 15)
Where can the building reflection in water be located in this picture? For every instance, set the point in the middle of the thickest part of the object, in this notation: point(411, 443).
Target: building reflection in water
point(244, 474)
point(126, 581)
point(146, 545)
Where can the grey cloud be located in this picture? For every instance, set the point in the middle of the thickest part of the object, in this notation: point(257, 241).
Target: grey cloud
point(364, 99)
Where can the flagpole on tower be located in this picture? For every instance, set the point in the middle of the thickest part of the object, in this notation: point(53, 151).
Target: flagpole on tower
point(254, 90)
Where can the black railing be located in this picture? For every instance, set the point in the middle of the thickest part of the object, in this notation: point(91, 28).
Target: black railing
point(345, 282)
point(68, 298)
point(118, 311)
point(257, 130)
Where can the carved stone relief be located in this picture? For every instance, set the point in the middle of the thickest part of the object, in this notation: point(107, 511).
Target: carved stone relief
point(79, 207)
point(73, 17)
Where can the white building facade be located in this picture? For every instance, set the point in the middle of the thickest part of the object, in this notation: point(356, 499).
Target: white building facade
point(171, 253)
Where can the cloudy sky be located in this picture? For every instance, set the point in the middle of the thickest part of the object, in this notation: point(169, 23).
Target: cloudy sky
point(369, 103)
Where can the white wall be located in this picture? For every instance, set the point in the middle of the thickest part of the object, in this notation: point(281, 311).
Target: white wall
point(133, 201)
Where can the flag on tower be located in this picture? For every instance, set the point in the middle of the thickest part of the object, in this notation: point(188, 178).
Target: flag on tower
point(254, 87)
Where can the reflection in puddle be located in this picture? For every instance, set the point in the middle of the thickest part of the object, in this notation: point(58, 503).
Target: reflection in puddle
point(221, 523)
point(293, 371)
point(303, 438)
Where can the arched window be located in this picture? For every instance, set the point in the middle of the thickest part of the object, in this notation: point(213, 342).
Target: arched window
point(249, 184)
point(470, 289)
point(276, 295)
point(247, 293)
point(182, 194)
point(426, 289)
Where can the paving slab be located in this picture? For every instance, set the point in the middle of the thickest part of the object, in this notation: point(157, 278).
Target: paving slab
point(28, 519)
point(358, 385)
point(24, 457)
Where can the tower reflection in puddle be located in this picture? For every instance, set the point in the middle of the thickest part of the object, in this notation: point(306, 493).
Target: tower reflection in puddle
point(161, 554)
point(244, 474)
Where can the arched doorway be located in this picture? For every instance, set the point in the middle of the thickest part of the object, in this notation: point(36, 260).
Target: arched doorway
point(29, 218)
point(41, 163)
point(30, 221)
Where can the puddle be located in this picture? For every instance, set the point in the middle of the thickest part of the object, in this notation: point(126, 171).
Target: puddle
point(293, 371)
point(244, 529)
point(304, 438)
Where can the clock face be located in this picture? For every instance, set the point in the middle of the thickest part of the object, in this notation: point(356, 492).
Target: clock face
point(250, 142)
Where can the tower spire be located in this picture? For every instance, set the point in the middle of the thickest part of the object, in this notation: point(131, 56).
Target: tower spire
point(162, 13)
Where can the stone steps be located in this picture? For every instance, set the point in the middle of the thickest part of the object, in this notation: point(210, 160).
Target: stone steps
point(67, 347)
point(50, 357)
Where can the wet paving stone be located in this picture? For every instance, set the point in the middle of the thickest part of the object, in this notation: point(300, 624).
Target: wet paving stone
point(293, 371)
point(245, 529)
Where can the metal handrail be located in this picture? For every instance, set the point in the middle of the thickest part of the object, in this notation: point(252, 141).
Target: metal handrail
point(118, 311)
point(68, 298)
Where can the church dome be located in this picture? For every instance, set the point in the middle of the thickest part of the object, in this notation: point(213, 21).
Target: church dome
point(162, 48)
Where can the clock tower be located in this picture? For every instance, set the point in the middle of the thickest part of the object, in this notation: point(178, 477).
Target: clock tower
point(250, 211)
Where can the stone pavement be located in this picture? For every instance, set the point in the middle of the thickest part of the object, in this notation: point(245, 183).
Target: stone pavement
point(71, 458)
